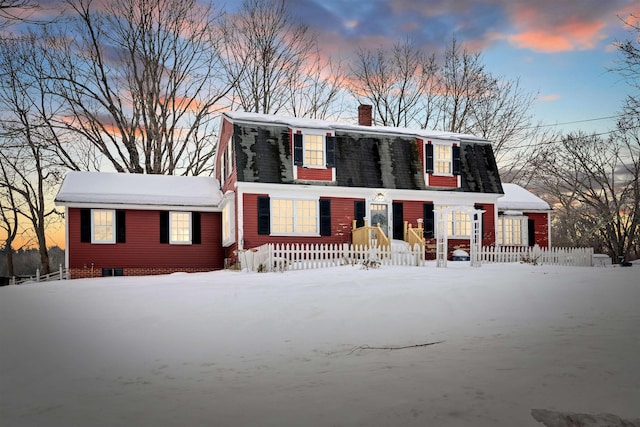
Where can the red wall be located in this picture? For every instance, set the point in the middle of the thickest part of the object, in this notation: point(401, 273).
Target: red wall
point(143, 249)
point(342, 213)
point(443, 181)
point(225, 133)
point(541, 227)
point(313, 174)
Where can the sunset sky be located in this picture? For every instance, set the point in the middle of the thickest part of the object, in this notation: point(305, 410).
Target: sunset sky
point(562, 50)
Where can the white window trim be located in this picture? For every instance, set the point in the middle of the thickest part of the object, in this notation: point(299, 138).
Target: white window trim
point(455, 227)
point(180, 242)
point(435, 158)
point(324, 151)
point(93, 227)
point(524, 229)
point(228, 215)
point(229, 156)
point(294, 233)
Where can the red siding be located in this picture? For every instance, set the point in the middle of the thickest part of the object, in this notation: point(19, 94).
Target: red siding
point(225, 134)
point(488, 225)
point(313, 174)
point(342, 213)
point(443, 181)
point(143, 249)
point(541, 228)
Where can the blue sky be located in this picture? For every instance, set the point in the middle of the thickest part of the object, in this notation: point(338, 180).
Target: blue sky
point(560, 49)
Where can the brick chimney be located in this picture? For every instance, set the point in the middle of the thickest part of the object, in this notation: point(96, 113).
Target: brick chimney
point(364, 115)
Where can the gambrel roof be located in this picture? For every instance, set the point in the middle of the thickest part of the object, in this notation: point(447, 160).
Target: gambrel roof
point(366, 156)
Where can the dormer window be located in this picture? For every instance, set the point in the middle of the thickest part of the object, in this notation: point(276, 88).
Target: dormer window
point(314, 150)
point(442, 158)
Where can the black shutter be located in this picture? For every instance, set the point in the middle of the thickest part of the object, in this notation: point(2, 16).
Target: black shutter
point(428, 221)
point(164, 227)
point(325, 217)
point(121, 227)
point(428, 156)
point(264, 215)
point(475, 216)
point(398, 221)
point(297, 149)
point(195, 228)
point(456, 159)
point(359, 208)
point(531, 232)
point(85, 225)
point(331, 151)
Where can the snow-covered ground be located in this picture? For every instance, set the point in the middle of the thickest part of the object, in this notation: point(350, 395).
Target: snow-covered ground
point(289, 349)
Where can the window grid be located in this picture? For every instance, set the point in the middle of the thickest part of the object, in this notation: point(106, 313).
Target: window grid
point(314, 150)
point(510, 230)
point(103, 226)
point(294, 216)
point(442, 159)
point(458, 222)
point(180, 227)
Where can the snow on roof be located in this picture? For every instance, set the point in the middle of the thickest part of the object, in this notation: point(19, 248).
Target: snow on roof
point(303, 123)
point(138, 189)
point(518, 198)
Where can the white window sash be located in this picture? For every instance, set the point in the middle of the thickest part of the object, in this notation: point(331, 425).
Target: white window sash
point(94, 226)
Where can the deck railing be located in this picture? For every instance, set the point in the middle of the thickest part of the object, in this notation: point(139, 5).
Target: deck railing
point(369, 236)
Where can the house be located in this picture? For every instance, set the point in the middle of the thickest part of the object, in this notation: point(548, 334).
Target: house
point(524, 219)
point(292, 180)
point(134, 224)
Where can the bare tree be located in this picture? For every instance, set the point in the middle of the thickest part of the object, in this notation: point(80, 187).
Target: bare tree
point(596, 190)
point(318, 90)
point(9, 219)
point(395, 82)
point(268, 50)
point(140, 80)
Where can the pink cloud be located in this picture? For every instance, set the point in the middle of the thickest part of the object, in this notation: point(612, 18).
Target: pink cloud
point(567, 37)
point(550, 97)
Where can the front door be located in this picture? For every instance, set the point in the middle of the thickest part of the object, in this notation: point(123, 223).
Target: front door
point(379, 214)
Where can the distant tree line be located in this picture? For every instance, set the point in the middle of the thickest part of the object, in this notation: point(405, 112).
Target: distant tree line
point(26, 261)
point(136, 86)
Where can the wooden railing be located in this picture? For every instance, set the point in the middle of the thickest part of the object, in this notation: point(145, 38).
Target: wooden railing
point(369, 236)
point(414, 236)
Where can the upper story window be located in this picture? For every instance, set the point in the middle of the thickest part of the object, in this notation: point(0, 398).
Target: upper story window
point(103, 229)
point(314, 150)
point(442, 159)
point(226, 162)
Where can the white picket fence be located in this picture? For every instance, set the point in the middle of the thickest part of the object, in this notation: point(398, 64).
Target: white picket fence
point(280, 257)
point(61, 274)
point(578, 257)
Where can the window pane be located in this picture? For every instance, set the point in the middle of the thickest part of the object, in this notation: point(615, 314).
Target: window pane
point(103, 226)
point(180, 227)
point(306, 216)
point(442, 159)
point(313, 150)
point(282, 216)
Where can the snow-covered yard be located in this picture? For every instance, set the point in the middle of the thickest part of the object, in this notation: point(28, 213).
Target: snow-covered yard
point(289, 349)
